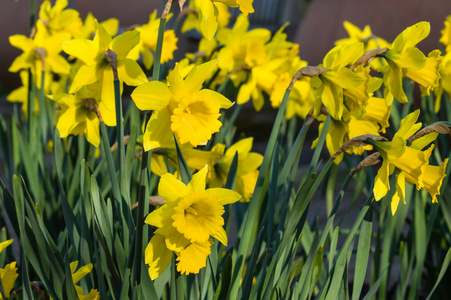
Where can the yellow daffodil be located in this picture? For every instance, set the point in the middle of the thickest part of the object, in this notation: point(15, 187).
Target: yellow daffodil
point(148, 41)
point(219, 161)
point(393, 150)
point(40, 53)
point(59, 19)
point(110, 25)
point(77, 275)
point(96, 68)
point(268, 62)
point(78, 115)
point(182, 108)
point(209, 13)
point(445, 39)
point(405, 59)
point(191, 216)
point(444, 82)
point(193, 20)
point(328, 87)
point(238, 42)
point(410, 162)
point(369, 40)
point(428, 77)
point(8, 274)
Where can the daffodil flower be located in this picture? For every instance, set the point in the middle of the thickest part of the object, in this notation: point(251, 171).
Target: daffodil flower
point(411, 163)
point(148, 41)
point(208, 14)
point(59, 19)
point(192, 21)
point(78, 115)
point(367, 38)
point(219, 161)
point(96, 68)
point(328, 87)
point(8, 274)
point(191, 216)
point(405, 59)
point(110, 25)
point(182, 108)
point(445, 39)
point(40, 53)
point(77, 275)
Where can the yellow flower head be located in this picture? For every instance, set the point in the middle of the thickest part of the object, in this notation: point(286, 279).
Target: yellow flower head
point(369, 40)
point(78, 115)
point(405, 59)
point(191, 216)
point(446, 34)
point(182, 108)
point(111, 26)
point(40, 53)
point(97, 70)
point(410, 162)
point(148, 41)
point(207, 27)
point(219, 161)
point(328, 88)
point(59, 19)
point(77, 275)
point(209, 18)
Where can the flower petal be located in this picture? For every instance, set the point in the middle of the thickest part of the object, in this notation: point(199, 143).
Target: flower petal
point(152, 95)
point(157, 256)
point(170, 188)
point(224, 196)
point(158, 132)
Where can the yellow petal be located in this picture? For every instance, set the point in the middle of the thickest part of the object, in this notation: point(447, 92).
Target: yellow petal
point(85, 75)
point(157, 256)
point(193, 258)
point(158, 131)
point(5, 244)
point(170, 188)
point(217, 97)
point(82, 272)
point(130, 72)
point(152, 95)
point(123, 43)
point(83, 49)
point(221, 236)
point(198, 182)
point(224, 196)
point(8, 277)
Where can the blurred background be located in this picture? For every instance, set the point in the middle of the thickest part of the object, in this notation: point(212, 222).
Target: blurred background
point(314, 24)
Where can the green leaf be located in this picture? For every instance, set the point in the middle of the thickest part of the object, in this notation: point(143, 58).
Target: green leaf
point(69, 218)
point(363, 251)
point(375, 286)
point(185, 172)
point(224, 281)
point(443, 270)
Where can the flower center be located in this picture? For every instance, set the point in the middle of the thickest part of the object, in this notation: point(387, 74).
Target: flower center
point(191, 211)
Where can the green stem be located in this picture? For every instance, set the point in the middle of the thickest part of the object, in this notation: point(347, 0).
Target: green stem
point(143, 193)
point(120, 138)
point(257, 198)
point(157, 58)
point(110, 163)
